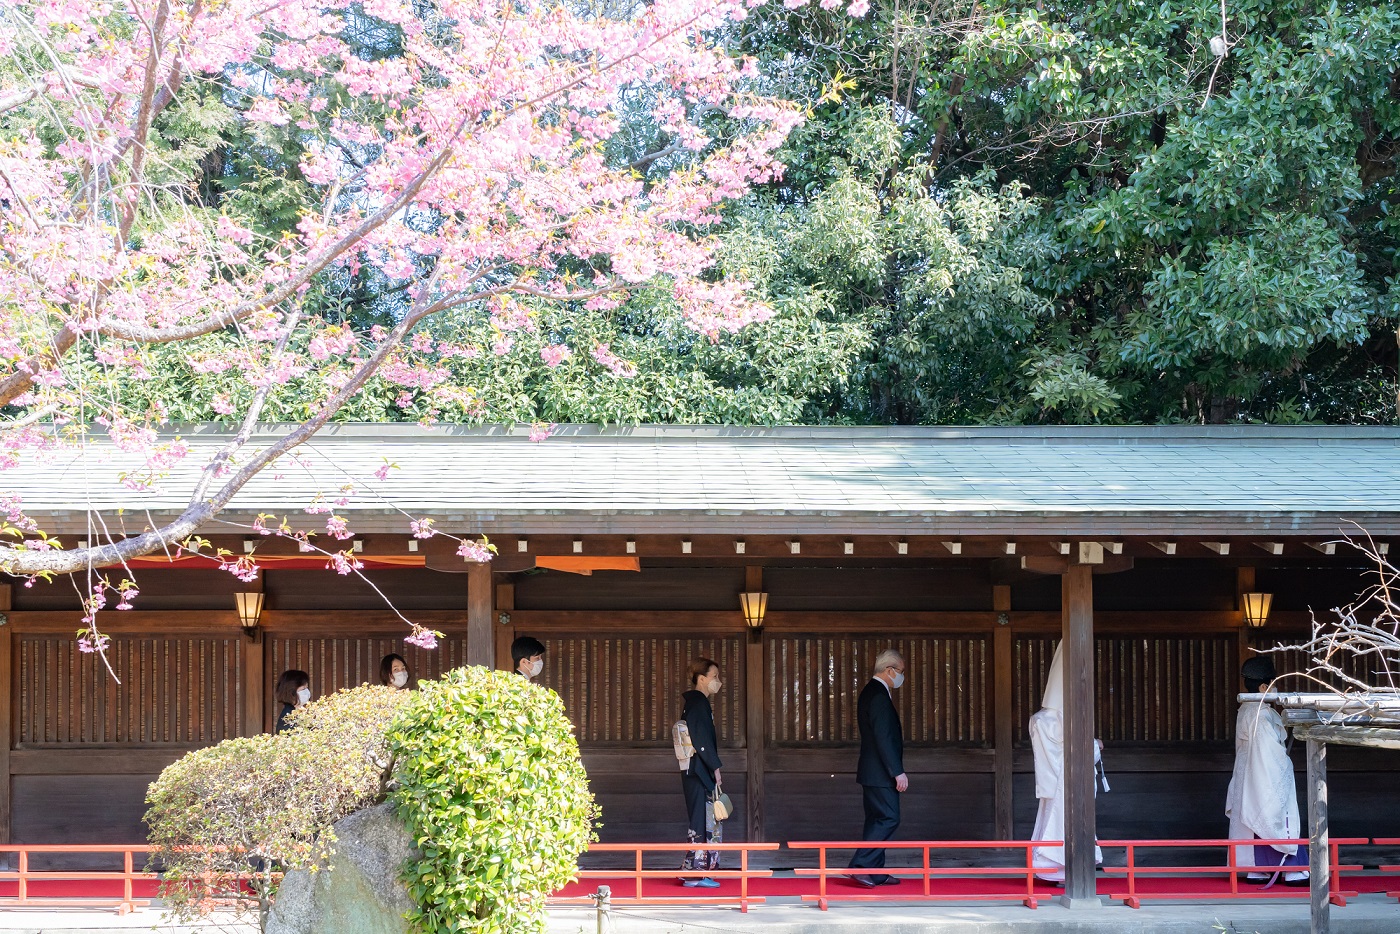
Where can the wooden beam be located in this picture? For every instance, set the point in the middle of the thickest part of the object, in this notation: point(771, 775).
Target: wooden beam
point(1220, 548)
point(954, 548)
point(1369, 736)
point(1113, 548)
point(1090, 553)
point(755, 705)
point(1077, 607)
point(1273, 548)
point(481, 644)
point(1319, 862)
point(1327, 548)
point(1166, 548)
point(1003, 708)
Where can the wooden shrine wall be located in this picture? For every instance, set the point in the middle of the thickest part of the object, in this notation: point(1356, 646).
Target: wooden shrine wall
point(80, 749)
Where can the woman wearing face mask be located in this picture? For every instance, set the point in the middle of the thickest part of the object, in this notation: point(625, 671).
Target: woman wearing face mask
point(293, 691)
point(699, 780)
point(393, 672)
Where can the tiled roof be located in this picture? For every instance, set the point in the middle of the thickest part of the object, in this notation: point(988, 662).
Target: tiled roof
point(873, 481)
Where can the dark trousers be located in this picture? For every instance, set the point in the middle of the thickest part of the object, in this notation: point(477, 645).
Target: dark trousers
point(881, 821)
point(697, 800)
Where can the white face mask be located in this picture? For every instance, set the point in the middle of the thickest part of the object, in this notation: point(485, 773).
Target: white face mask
point(533, 668)
point(898, 681)
point(713, 687)
point(400, 678)
point(303, 695)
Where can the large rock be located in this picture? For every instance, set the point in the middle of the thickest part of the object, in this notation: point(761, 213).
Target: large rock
point(359, 892)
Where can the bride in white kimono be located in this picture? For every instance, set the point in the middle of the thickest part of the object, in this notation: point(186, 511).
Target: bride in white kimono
point(1048, 742)
point(1262, 802)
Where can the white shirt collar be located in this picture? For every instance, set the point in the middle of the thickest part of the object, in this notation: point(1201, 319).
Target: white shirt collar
point(886, 685)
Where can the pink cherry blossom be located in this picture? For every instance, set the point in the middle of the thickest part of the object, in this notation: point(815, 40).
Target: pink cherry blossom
point(555, 354)
point(497, 122)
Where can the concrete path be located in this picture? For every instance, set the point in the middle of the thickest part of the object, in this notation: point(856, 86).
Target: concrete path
point(1364, 915)
point(1368, 914)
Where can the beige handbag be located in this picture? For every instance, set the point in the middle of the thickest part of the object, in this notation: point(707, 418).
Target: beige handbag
point(720, 805)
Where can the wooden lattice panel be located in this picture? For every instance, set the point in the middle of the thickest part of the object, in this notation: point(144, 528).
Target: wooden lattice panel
point(173, 690)
point(1292, 665)
point(814, 681)
point(1155, 689)
point(336, 662)
point(626, 689)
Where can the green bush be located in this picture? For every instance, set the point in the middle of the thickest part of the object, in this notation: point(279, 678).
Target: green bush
point(226, 819)
point(492, 790)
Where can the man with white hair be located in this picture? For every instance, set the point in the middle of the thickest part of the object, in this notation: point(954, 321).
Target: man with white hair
point(880, 770)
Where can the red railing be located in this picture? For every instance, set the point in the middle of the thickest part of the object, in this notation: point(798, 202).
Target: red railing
point(1232, 870)
point(639, 873)
point(644, 890)
point(22, 875)
point(1389, 870)
point(927, 873)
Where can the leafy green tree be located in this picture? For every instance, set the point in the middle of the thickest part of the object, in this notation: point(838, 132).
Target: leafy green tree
point(495, 797)
point(1204, 232)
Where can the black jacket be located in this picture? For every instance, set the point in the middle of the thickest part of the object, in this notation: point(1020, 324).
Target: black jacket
point(881, 739)
point(700, 719)
point(281, 723)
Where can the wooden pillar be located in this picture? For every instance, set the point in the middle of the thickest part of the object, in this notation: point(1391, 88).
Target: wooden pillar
point(6, 709)
point(1319, 865)
point(1002, 711)
point(481, 644)
point(756, 702)
point(255, 684)
point(1077, 607)
point(505, 633)
point(1244, 583)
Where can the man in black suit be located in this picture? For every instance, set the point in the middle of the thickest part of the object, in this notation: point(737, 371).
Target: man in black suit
point(881, 767)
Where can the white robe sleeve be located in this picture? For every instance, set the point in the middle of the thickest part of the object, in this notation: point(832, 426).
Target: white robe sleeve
point(1263, 797)
point(1048, 744)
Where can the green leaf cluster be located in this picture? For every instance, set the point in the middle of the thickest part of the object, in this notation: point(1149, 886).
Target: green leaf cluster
point(494, 795)
point(227, 819)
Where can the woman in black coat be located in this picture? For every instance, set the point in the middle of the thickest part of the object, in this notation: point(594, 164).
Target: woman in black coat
point(293, 691)
point(698, 781)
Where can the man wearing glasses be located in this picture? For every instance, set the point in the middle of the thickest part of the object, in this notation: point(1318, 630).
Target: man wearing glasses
point(880, 770)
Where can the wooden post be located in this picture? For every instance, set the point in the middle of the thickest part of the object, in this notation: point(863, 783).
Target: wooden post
point(756, 703)
point(505, 633)
point(6, 711)
point(1002, 708)
point(1244, 583)
point(255, 685)
point(1319, 863)
point(1077, 607)
point(481, 641)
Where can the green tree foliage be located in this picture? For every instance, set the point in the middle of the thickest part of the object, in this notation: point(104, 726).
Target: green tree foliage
point(495, 798)
point(1171, 234)
point(997, 211)
point(227, 819)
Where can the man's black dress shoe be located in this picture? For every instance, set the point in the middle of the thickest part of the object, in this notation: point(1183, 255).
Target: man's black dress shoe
point(866, 881)
point(889, 880)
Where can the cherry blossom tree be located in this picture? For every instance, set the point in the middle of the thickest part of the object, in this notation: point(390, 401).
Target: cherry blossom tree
point(468, 168)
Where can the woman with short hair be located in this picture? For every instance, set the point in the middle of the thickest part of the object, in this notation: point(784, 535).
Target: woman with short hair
point(394, 672)
point(293, 690)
